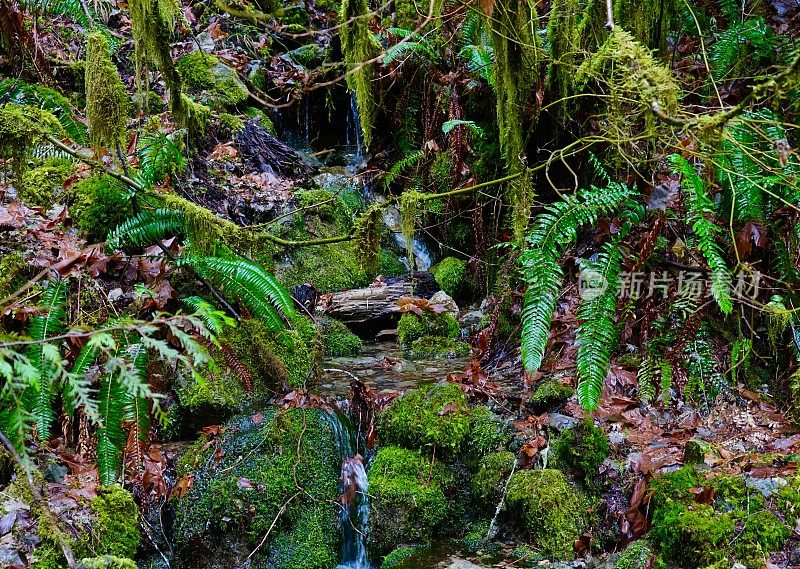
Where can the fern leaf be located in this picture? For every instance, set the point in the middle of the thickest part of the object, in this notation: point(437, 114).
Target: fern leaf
point(448, 126)
point(699, 205)
point(243, 280)
point(214, 319)
point(159, 156)
point(404, 163)
point(146, 228)
point(739, 45)
point(44, 98)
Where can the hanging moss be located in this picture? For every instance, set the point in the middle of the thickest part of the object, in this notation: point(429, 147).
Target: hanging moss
point(647, 20)
point(21, 128)
point(107, 103)
point(358, 46)
point(367, 236)
point(409, 205)
point(562, 32)
point(592, 32)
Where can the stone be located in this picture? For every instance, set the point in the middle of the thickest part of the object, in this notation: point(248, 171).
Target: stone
point(441, 297)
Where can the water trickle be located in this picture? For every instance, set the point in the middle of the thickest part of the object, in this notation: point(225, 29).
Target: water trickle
point(353, 139)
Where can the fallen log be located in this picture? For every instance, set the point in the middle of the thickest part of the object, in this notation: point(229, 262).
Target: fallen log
point(377, 303)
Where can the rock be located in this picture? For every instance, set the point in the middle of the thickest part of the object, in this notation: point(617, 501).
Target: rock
point(766, 486)
point(700, 452)
point(445, 300)
point(205, 41)
point(472, 320)
point(561, 422)
point(457, 563)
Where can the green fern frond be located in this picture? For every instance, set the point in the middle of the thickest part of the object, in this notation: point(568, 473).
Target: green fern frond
point(44, 356)
point(406, 162)
point(416, 45)
point(159, 156)
point(24, 93)
point(214, 319)
point(448, 126)
point(249, 283)
point(146, 228)
point(740, 45)
point(699, 207)
point(553, 231)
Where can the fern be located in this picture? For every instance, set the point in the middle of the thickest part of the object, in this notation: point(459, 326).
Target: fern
point(552, 233)
point(646, 379)
point(415, 44)
point(146, 228)
point(740, 45)
point(214, 319)
point(404, 163)
point(45, 356)
point(249, 283)
point(44, 98)
point(159, 156)
point(448, 126)
point(477, 48)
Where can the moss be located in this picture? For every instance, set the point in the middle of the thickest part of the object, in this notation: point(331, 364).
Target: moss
point(230, 123)
point(263, 119)
point(309, 55)
point(41, 185)
point(390, 265)
point(492, 474)
point(673, 486)
point(412, 327)
point(117, 525)
point(195, 69)
point(409, 498)
point(100, 204)
point(582, 449)
point(438, 347)
point(552, 513)
point(526, 556)
point(691, 535)
point(695, 451)
point(21, 128)
point(430, 416)
point(11, 265)
point(107, 102)
point(339, 340)
point(475, 538)
point(635, 556)
point(788, 501)
point(240, 489)
point(220, 82)
point(763, 533)
point(394, 560)
point(449, 273)
point(106, 562)
point(548, 394)
point(488, 433)
point(732, 493)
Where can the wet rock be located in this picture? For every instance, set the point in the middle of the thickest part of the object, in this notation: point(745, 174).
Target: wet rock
point(766, 486)
point(441, 297)
point(561, 422)
point(464, 564)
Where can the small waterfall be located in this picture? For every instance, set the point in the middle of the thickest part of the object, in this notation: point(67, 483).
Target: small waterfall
point(354, 141)
point(353, 486)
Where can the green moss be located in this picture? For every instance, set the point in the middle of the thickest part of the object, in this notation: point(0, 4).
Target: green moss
point(310, 55)
point(551, 511)
point(475, 538)
point(100, 204)
point(488, 433)
point(11, 265)
point(107, 102)
point(106, 562)
point(635, 556)
point(358, 46)
point(674, 486)
point(195, 69)
point(763, 533)
point(732, 493)
point(231, 123)
point(788, 501)
point(695, 451)
point(430, 416)
point(327, 206)
point(117, 525)
point(42, 185)
point(438, 347)
point(409, 498)
point(412, 326)
point(221, 83)
point(21, 128)
point(582, 449)
point(693, 535)
point(240, 489)
point(449, 273)
point(492, 474)
point(394, 560)
point(263, 119)
point(526, 556)
point(339, 340)
point(390, 265)
point(548, 394)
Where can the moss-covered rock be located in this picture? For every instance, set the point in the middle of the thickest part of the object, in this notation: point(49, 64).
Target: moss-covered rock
point(390, 265)
point(117, 526)
point(252, 480)
point(394, 560)
point(548, 394)
point(552, 513)
point(430, 416)
point(413, 326)
point(635, 556)
point(493, 471)
point(487, 433)
point(409, 498)
point(693, 536)
point(339, 340)
point(582, 449)
point(438, 347)
point(762, 533)
point(100, 203)
point(42, 185)
point(449, 273)
point(205, 72)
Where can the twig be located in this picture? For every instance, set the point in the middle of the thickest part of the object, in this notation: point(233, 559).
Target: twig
point(243, 564)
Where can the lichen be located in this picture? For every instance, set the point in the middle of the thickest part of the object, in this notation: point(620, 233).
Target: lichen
point(339, 340)
point(107, 102)
point(430, 416)
point(449, 273)
point(412, 326)
point(408, 498)
point(552, 513)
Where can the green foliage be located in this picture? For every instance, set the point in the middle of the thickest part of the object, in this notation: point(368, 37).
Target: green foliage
point(100, 204)
point(339, 340)
point(358, 47)
point(477, 47)
point(449, 273)
point(367, 235)
point(582, 449)
point(23, 93)
point(699, 207)
point(552, 513)
point(740, 46)
point(431, 416)
point(415, 45)
point(159, 156)
point(214, 319)
point(22, 127)
point(763, 533)
point(552, 233)
point(493, 471)
point(248, 282)
point(117, 526)
point(409, 160)
point(695, 536)
point(107, 103)
point(408, 498)
point(412, 327)
point(146, 228)
point(549, 393)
